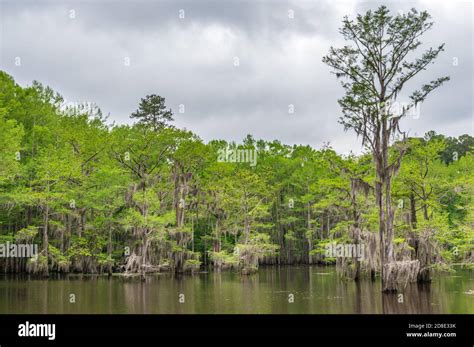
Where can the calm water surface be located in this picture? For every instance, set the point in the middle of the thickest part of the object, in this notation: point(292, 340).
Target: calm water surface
point(315, 290)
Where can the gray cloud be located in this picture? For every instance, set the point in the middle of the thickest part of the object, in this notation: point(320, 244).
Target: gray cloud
point(190, 61)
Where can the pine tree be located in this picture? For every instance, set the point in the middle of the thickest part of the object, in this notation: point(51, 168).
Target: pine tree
point(152, 112)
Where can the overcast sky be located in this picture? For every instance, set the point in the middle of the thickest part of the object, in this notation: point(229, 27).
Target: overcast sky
point(236, 66)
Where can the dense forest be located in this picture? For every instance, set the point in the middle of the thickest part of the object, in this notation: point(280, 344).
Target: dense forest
point(147, 197)
point(100, 197)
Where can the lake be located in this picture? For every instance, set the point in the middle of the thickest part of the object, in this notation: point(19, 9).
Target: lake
point(278, 290)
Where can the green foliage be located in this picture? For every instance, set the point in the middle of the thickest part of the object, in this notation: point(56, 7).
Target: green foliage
point(152, 112)
point(136, 196)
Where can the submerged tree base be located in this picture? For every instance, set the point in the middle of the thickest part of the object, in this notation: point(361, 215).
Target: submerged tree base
point(399, 273)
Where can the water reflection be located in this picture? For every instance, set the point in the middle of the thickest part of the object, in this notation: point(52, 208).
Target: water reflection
point(314, 289)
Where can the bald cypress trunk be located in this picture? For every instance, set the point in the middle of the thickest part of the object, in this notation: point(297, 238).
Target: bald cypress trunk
point(45, 236)
point(413, 220)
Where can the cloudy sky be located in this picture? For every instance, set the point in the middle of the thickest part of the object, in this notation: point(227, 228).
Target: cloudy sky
point(234, 66)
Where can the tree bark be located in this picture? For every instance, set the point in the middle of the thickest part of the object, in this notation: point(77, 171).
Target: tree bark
point(413, 210)
point(45, 236)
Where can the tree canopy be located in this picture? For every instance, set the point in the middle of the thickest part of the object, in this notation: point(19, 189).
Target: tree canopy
point(102, 198)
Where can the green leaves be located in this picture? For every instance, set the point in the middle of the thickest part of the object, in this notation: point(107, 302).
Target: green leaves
point(11, 135)
point(152, 112)
point(374, 67)
point(153, 199)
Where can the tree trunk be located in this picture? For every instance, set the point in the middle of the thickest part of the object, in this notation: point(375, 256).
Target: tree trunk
point(310, 260)
point(144, 232)
point(109, 250)
point(384, 202)
point(386, 234)
point(413, 210)
point(45, 237)
point(82, 227)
